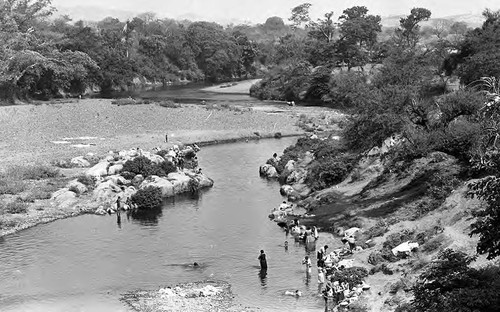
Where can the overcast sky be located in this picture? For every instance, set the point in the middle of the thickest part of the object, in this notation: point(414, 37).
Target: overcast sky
point(258, 11)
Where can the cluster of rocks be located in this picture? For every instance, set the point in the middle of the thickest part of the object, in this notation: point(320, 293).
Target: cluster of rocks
point(108, 184)
point(293, 176)
point(198, 296)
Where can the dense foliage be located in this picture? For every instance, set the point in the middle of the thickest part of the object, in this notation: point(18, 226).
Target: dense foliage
point(149, 197)
point(44, 58)
point(450, 284)
point(145, 167)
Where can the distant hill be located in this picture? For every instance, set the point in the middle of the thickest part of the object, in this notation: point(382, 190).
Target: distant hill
point(94, 13)
point(472, 20)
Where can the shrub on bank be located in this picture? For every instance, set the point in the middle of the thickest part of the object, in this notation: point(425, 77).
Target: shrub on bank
point(88, 181)
point(10, 186)
point(15, 207)
point(353, 276)
point(145, 167)
point(327, 172)
point(36, 195)
point(149, 197)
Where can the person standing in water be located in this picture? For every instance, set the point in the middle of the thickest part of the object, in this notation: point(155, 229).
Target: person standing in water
point(263, 261)
point(307, 263)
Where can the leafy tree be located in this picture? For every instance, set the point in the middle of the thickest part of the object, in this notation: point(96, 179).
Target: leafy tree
point(408, 34)
point(450, 284)
point(300, 15)
point(358, 32)
point(214, 50)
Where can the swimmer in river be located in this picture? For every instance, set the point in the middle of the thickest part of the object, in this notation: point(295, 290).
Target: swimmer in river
point(296, 293)
point(196, 264)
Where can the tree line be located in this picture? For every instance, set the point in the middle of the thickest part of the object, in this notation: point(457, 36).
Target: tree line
point(45, 57)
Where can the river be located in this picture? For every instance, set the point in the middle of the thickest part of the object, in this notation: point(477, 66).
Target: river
point(85, 263)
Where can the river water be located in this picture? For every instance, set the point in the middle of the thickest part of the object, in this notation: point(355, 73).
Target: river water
point(85, 263)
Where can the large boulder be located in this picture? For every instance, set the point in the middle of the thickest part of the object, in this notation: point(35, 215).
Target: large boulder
point(166, 186)
point(62, 195)
point(137, 180)
point(99, 170)
point(80, 162)
point(268, 171)
point(290, 165)
point(290, 192)
point(64, 198)
point(106, 192)
point(77, 187)
point(115, 169)
point(180, 182)
point(157, 159)
point(117, 179)
point(128, 154)
point(296, 176)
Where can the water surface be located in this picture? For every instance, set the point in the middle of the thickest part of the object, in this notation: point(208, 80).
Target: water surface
point(85, 263)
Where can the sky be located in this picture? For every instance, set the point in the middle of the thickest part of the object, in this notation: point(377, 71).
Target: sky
point(257, 11)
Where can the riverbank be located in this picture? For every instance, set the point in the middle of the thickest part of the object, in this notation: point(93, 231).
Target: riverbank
point(37, 135)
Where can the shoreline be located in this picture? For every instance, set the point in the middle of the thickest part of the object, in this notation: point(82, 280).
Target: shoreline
point(59, 214)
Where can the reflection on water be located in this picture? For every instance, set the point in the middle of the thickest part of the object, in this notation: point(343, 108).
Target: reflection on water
point(146, 217)
point(263, 277)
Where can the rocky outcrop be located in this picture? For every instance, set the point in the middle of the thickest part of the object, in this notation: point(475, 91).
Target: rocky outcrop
point(80, 162)
point(99, 170)
point(268, 171)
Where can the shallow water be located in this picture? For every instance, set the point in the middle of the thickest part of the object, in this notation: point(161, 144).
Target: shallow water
point(85, 263)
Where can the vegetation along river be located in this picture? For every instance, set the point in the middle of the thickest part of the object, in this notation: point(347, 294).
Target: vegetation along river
point(85, 263)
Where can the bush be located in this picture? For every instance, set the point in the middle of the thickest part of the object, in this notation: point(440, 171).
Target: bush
point(16, 207)
point(10, 186)
point(433, 244)
point(190, 154)
point(149, 197)
point(162, 153)
point(88, 181)
point(34, 172)
point(330, 171)
point(396, 239)
point(353, 276)
point(36, 195)
point(167, 167)
point(145, 167)
point(139, 165)
point(375, 231)
point(375, 258)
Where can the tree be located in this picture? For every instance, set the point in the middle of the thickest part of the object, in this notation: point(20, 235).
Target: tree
point(407, 35)
point(450, 284)
point(300, 15)
point(479, 54)
point(358, 32)
point(214, 50)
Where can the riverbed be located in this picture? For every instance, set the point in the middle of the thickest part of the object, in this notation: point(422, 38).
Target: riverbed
point(85, 263)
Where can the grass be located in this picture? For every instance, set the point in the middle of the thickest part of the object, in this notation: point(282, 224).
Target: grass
point(14, 207)
point(13, 179)
point(31, 172)
point(87, 180)
point(36, 194)
point(11, 186)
